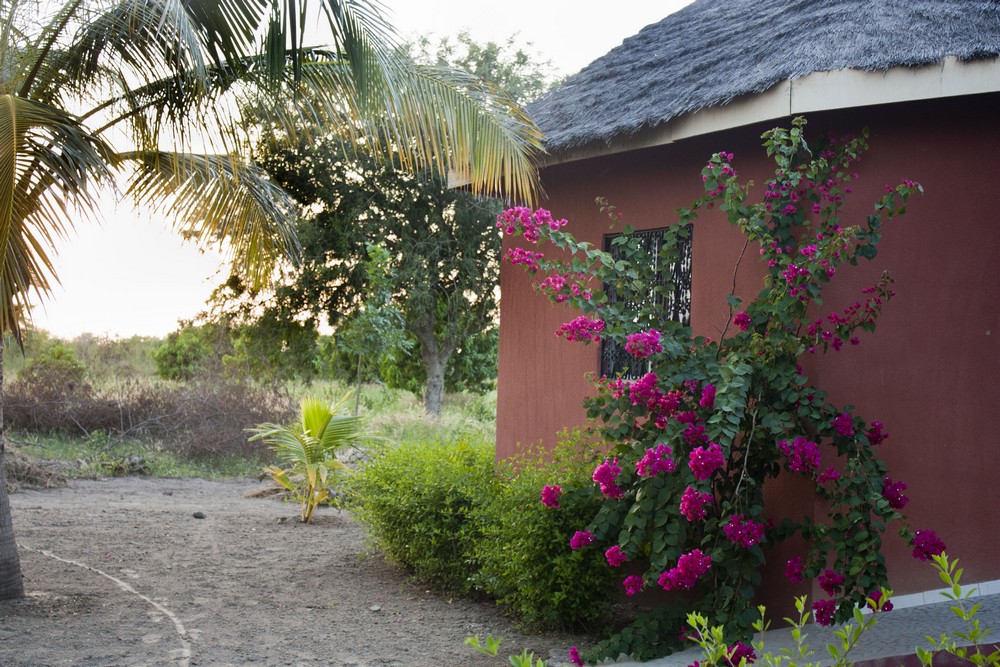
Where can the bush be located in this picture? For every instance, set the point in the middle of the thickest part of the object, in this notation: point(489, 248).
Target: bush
point(57, 371)
point(199, 418)
point(419, 505)
point(446, 513)
point(523, 556)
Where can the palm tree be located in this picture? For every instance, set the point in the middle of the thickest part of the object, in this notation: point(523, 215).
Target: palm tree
point(163, 99)
point(308, 450)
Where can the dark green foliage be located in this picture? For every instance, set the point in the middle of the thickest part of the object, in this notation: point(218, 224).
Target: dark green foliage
point(419, 502)
point(449, 515)
point(524, 558)
point(182, 354)
point(55, 371)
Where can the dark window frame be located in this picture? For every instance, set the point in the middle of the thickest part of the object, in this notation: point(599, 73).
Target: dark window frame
point(614, 361)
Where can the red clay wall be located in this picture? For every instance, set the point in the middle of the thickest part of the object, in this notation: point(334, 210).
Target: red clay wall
point(929, 373)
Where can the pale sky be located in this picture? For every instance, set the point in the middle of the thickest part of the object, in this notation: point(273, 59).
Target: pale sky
point(133, 276)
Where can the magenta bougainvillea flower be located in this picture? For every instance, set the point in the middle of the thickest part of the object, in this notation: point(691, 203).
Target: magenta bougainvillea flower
point(606, 474)
point(574, 656)
point(694, 504)
point(823, 611)
point(926, 543)
point(738, 652)
point(705, 461)
point(550, 495)
point(803, 455)
point(794, 570)
point(707, 397)
point(830, 581)
point(690, 567)
point(633, 584)
point(875, 602)
point(843, 425)
point(615, 556)
point(655, 461)
point(643, 344)
point(581, 539)
point(893, 492)
point(745, 533)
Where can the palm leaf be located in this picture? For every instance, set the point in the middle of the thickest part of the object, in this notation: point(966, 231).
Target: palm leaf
point(49, 164)
point(217, 198)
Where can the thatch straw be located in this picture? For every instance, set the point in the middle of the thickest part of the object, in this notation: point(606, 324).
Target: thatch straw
point(714, 51)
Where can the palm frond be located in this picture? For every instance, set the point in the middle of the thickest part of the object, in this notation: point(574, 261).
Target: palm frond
point(215, 198)
point(49, 165)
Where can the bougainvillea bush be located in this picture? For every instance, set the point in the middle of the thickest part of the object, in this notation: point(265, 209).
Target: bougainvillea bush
point(702, 424)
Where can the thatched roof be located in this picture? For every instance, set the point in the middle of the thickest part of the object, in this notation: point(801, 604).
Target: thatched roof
point(714, 51)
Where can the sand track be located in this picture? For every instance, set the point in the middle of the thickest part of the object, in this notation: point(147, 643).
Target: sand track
point(118, 572)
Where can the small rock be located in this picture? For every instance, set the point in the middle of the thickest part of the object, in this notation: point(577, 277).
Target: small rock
point(375, 607)
point(199, 515)
point(168, 493)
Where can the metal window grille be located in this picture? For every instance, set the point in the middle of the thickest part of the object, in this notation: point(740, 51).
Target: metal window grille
point(675, 306)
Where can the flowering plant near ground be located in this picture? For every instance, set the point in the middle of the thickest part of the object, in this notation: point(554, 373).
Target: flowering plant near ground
point(694, 436)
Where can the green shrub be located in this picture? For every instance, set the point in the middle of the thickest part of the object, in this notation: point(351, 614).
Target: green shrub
point(524, 558)
point(418, 504)
point(57, 370)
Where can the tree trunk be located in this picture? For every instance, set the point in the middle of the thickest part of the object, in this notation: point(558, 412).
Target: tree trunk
point(11, 582)
point(435, 356)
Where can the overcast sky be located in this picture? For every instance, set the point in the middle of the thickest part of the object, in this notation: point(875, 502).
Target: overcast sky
point(133, 276)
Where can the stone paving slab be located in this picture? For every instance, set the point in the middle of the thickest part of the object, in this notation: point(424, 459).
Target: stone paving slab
point(895, 636)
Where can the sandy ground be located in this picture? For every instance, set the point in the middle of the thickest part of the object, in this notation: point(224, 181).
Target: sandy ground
point(119, 572)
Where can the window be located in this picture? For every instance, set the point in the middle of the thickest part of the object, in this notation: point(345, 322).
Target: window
point(675, 306)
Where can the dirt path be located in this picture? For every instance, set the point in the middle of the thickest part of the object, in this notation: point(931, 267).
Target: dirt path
point(119, 572)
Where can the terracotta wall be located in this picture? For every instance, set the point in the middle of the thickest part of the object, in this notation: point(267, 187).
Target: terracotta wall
point(931, 371)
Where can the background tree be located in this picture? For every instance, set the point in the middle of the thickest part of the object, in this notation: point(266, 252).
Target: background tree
point(377, 329)
point(512, 65)
point(442, 242)
point(156, 91)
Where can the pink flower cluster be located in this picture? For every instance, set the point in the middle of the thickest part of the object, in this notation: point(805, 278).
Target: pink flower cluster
point(742, 320)
point(745, 533)
point(893, 492)
point(655, 461)
point(643, 344)
point(926, 543)
point(703, 462)
point(521, 217)
point(830, 581)
point(876, 433)
point(615, 556)
point(876, 604)
point(574, 656)
point(521, 256)
point(823, 611)
point(555, 287)
point(828, 475)
point(606, 474)
point(690, 567)
point(803, 455)
point(581, 329)
point(739, 652)
point(633, 584)
point(794, 570)
point(550, 495)
point(694, 504)
point(707, 396)
point(581, 539)
point(843, 425)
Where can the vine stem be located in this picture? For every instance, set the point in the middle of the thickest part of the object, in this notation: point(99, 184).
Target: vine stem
point(736, 270)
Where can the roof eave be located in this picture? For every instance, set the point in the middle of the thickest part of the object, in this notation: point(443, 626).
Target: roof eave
point(819, 91)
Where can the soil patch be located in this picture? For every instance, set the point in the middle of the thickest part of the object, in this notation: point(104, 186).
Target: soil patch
point(119, 572)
